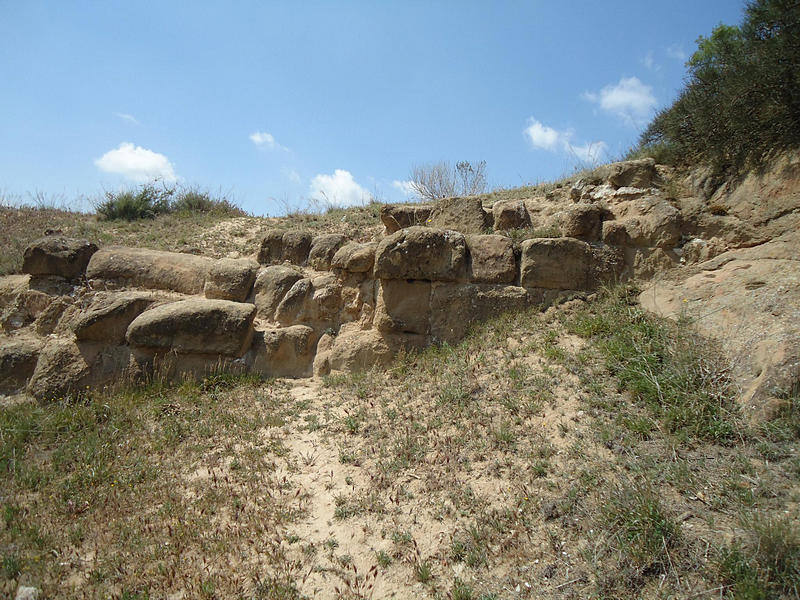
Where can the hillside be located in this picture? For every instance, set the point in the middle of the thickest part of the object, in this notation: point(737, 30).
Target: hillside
point(578, 445)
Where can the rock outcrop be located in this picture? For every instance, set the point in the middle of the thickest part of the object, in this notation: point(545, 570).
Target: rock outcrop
point(57, 255)
point(312, 304)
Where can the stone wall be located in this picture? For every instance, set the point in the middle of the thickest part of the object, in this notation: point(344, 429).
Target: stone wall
point(305, 305)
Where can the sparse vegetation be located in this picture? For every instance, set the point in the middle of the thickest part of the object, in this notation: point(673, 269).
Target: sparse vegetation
point(442, 180)
point(766, 563)
point(677, 375)
point(538, 456)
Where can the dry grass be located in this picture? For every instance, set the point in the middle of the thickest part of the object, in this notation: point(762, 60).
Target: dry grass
point(209, 234)
point(514, 465)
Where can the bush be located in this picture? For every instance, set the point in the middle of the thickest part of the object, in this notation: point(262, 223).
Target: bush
point(150, 201)
point(131, 205)
point(441, 180)
point(192, 200)
point(742, 97)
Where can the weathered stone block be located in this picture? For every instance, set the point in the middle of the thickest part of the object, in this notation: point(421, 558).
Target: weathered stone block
point(292, 308)
point(421, 253)
point(271, 286)
point(155, 269)
point(17, 362)
point(456, 306)
point(296, 246)
point(197, 326)
point(66, 368)
point(355, 258)
point(108, 317)
point(403, 306)
point(460, 214)
point(510, 214)
point(323, 249)
point(555, 263)
point(271, 251)
point(355, 349)
point(284, 352)
point(399, 216)
point(231, 279)
point(57, 255)
point(492, 259)
point(583, 221)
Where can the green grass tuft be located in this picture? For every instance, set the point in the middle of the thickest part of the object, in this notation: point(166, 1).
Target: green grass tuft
point(667, 367)
point(766, 564)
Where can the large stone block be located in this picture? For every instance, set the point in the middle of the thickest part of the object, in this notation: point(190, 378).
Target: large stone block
point(556, 263)
point(296, 247)
point(279, 245)
point(271, 250)
point(422, 253)
point(108, 317)
point(57, 255)
point(460, 214)
point(323, 249)
point(510, 214)
point(491, 259)
point(231, 279)
point(17, 362)
point(284, 352)
point(632, 173)
point(355, 258)
point(271, 286)
point(399, 216)
point(154, 269)
point(24, 309)
point(657, 226)
point(195, 326)
point(456, 306)
point(316, 302)
point(358, 298)
point(293, 308)
point(403, 307)
point(66, 368)
point(356, 349)
point(583, 221)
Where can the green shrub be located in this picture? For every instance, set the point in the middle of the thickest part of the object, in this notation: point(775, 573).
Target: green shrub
point(149, 201)
point(742, 97)
point(193, 200)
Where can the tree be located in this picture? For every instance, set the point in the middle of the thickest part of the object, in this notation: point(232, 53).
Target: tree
point(741, 100)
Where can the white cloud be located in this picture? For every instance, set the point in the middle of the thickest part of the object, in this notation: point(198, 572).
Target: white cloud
point(676, 51)
point(127, 117)
point(291, 175)
point(542, 136)
point(136, 164)
point(649, 61)
point(547, 138)
point(339, 189)
point(630, 99)
point(267, 140)
point(406, 187)
point(590, 153)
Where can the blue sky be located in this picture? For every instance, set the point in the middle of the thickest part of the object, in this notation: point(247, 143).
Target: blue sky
point(276, 103)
